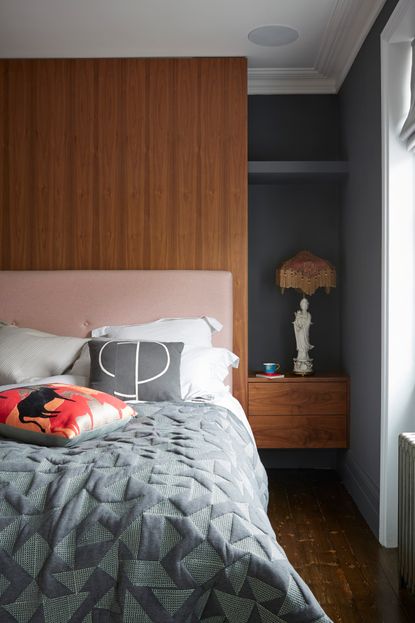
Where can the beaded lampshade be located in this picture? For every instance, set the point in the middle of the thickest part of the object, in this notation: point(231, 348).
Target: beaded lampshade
point(306, 272)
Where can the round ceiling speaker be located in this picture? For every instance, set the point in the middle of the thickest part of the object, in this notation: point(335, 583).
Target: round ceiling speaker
point(273, 35)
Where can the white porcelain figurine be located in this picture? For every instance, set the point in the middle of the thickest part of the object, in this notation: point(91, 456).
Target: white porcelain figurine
point(302, 364)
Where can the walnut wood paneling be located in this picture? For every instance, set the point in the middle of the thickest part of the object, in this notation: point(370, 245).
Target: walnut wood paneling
point(84, 207)
point(4, 199)
point(126, 163)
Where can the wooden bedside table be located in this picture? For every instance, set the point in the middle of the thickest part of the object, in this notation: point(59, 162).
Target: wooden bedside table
point(299, 411)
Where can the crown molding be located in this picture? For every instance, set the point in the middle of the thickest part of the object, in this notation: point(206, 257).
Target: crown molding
point(283, 81)
point(347, 28)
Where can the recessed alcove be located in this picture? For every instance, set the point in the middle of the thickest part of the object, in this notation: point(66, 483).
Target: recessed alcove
point(296, 174)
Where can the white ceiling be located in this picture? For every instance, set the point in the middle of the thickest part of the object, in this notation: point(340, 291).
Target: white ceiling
point(331, 32)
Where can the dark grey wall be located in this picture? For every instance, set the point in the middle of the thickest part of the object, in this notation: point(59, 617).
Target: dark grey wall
point(288, 217)
point(361, 239)
point(283, 220)
point(293, 127)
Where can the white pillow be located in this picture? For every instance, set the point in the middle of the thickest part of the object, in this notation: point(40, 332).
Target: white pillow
point(203, 369)
point(28, 353)
point(196, 331)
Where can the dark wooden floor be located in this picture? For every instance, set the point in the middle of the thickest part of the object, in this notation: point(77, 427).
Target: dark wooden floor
point(330, 545)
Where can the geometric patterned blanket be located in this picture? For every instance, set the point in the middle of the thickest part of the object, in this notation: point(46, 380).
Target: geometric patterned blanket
point(162, 521)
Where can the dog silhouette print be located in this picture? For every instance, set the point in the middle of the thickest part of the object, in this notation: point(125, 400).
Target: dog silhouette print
point(34, 406)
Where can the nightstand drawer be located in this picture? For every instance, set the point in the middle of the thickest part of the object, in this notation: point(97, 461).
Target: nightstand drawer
point(299, 412)
point(299, 431)
point(298, 398)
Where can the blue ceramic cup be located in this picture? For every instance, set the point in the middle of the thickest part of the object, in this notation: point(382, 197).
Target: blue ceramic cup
point(271, 368)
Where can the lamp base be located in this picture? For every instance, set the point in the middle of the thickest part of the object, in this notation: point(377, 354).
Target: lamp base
point(303, 367)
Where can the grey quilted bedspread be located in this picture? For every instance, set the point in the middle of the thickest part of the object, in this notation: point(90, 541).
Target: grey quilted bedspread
point(162, 521)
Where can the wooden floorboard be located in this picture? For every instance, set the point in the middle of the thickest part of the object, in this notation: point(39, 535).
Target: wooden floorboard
point(327, 540)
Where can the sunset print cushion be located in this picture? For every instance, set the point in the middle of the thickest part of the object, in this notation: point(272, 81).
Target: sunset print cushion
point(59, 415)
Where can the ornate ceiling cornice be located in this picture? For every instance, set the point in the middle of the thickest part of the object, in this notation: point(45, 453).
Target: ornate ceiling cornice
point(347, 28)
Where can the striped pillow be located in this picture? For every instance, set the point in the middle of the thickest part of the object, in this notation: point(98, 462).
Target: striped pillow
point(27, 354)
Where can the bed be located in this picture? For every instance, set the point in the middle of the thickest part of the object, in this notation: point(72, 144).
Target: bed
point(161, 520)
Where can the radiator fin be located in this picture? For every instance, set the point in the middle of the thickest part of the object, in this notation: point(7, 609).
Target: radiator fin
point(406, 518)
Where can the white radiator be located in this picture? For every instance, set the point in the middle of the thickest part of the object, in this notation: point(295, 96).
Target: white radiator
point(406, 519)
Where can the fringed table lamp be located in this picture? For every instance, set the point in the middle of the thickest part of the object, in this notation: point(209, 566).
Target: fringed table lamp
point(306, 273)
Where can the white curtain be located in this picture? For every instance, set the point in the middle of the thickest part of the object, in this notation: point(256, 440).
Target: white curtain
point(408, 131)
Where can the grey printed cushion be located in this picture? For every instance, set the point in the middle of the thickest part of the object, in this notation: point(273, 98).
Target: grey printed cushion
point(28, 354)
point(133, 370)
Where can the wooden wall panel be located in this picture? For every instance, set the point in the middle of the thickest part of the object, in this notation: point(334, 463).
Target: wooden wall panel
point(187, 166)
point(160, 121)
point(110, 165)
point(126, 163)
point(4, 199)
point(136, 215)
point(83, 208)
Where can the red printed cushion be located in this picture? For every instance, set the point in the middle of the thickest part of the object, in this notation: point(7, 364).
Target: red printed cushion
point(59, 415)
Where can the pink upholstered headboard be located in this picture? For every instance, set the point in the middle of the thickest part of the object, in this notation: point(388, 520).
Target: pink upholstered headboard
point(72, 302)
